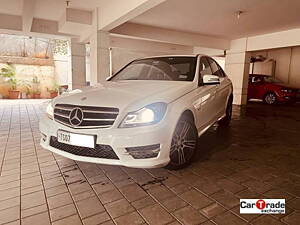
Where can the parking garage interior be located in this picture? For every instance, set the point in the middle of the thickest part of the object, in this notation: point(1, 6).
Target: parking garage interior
point(256, 157)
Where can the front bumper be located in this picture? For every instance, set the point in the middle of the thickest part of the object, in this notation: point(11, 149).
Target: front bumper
point(118, 139)
point(287, 97)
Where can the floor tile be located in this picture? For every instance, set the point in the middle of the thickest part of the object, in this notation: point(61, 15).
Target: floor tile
point(10, 214)
point(89, 207)
point(132, 218)
point(119, 208)
point(156, 215)
point(189, 216)
point(36, 219)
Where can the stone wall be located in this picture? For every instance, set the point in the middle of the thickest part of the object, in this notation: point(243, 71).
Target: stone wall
point(34, 57)
point(26, 73)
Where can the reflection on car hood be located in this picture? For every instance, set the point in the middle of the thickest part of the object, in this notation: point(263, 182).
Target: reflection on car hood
point(288, 86)
point(124, 94)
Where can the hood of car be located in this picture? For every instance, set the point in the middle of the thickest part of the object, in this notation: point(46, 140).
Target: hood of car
point(129, 95)
point(280, 85)
point(290, 86)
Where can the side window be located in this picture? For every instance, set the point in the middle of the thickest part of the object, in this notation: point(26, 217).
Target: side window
point(257, 80)
point(216, 69)
point(204, 68)
point(250, 80)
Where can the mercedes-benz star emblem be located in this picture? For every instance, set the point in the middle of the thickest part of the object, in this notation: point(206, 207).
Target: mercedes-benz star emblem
point(76, 117)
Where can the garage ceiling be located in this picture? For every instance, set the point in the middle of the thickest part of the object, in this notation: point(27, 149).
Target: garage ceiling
point(48, 9)
point(219, 17)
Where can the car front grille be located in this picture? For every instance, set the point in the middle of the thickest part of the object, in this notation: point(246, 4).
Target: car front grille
point(93, 117)
point(100, 151)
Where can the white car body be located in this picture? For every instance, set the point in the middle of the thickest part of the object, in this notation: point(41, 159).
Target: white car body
point(206, 103)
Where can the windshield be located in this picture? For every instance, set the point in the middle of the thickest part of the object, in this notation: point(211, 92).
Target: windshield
point(161, 68)
point(272, 80)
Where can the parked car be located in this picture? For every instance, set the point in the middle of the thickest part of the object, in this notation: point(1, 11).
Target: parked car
point(147, 115)
point(270, 90)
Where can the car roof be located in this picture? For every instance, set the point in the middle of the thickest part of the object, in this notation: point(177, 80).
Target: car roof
point(159, 56)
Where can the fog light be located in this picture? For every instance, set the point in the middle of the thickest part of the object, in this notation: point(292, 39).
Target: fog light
point(144, 152)
point(44, 137)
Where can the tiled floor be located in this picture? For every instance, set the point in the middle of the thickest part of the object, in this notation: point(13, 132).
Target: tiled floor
point(257, 157)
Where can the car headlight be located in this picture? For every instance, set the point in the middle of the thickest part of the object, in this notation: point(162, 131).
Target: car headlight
point(50, 110)
point(286, 90)
point(148, 115)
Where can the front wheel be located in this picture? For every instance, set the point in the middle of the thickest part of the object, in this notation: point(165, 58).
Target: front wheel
point(184, 144)
point(270, 98)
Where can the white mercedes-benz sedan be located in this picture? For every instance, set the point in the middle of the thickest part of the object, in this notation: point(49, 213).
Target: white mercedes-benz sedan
point(149, 114)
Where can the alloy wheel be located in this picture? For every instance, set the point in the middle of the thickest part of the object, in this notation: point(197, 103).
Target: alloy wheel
point(270, 98)
point(183, 143)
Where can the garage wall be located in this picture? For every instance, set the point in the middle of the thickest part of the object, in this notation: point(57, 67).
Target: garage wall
point(62, 69)
point(124, 50)
point(287, 67)
point(294, 75)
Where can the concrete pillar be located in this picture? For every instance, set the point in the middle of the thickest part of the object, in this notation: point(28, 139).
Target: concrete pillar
point(78, 65)
point(99, 57)
point(237, 65)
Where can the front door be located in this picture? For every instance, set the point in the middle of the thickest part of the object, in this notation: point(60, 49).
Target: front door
point(223, 89)
point(255, 87)
point(205, 98)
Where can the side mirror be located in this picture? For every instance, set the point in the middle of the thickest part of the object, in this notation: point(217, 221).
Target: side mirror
point(211, 80)
point(107, 78)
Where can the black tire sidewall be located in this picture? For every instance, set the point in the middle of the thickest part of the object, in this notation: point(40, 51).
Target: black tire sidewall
point(226, 120)
point(173, 166)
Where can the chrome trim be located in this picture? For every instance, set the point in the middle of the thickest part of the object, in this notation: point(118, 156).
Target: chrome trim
point(92, 111)
point(84, 127)
point(92, 119)
point(61, 115)
point(63, 108)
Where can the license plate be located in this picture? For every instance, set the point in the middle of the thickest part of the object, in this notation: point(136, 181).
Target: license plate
point(76, 139)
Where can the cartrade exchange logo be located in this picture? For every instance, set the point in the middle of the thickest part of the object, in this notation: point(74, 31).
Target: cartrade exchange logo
point(262, 206)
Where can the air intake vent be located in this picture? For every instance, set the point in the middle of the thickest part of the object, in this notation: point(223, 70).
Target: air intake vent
point(100, 151)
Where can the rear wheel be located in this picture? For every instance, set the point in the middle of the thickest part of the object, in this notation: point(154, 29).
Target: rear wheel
point(270, 98)
point(184, 144)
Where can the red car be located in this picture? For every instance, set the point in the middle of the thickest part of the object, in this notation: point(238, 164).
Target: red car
point(269, 89)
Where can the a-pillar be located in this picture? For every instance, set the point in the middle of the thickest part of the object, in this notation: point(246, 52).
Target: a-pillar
point(237, 64)
point(78, 65)
point(99, 57)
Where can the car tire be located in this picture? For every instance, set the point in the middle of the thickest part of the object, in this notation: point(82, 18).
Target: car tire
point(270, 98)
point(184, 144)
point(226, 120)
